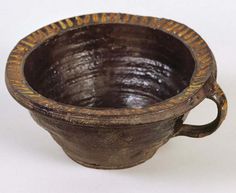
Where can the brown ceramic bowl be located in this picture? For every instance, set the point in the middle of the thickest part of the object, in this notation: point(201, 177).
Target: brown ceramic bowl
point(112, 88)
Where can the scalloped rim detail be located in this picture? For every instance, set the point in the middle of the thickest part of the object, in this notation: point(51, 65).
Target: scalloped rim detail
point(18, 87)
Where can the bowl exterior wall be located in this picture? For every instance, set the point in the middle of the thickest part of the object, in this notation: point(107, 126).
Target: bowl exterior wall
point(108, 147)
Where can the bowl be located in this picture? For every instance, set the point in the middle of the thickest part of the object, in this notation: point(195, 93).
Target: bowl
point(112, 88)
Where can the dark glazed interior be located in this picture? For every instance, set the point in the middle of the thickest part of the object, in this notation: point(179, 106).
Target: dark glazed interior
point(110, 65)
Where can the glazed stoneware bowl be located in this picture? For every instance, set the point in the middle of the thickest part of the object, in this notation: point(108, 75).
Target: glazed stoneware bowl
point(112, 88)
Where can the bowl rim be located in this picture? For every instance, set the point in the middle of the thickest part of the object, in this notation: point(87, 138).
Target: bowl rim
point(172, 107)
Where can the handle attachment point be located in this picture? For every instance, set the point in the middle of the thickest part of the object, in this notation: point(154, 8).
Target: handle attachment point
point(217, 95)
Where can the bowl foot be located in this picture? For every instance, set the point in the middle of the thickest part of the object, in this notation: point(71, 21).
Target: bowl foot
point(97, 166)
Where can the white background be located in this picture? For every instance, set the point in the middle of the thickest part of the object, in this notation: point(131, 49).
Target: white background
point(31, 162)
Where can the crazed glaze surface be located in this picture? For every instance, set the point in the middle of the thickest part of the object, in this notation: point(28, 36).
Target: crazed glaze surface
point(112, 88)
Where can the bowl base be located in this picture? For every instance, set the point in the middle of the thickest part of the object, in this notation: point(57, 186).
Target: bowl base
point(96, 166)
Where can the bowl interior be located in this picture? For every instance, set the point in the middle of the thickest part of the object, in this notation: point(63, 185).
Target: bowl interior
point(110, 65)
